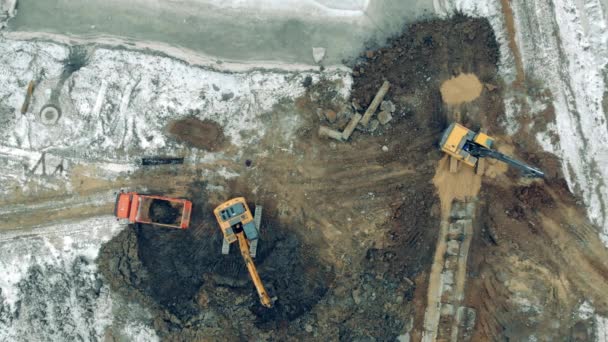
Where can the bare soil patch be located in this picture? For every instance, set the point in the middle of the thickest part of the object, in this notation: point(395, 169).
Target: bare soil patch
point(206, 134)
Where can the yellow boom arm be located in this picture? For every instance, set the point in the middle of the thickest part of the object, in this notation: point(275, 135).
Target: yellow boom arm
point(253, 272)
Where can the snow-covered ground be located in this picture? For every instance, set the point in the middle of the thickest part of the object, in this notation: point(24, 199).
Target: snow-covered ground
point(50, 289)
point(115, 108)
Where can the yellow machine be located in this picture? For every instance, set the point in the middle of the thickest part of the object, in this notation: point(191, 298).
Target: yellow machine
point(237, 224)
point(467, 146)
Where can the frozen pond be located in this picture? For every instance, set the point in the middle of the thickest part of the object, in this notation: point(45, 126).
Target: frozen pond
point(266, 30)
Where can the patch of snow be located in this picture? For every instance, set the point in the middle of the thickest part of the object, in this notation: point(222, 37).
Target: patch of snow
point(601, 329)
point(116, 107)
point(586, 311)
point(49, 284)
point(564, 44)
point(600, 323)
point(139, 332)
point(8, 9)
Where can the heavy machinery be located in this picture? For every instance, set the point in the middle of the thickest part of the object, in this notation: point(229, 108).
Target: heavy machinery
point(464, 145)
point(237, 224)
point(156, 210)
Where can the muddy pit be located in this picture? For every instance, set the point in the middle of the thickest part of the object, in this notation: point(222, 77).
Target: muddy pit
point(349, 230)
point(182, 273)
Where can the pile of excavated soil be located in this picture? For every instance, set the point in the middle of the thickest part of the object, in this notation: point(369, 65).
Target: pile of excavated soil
point(206, 134)
point(460, 89)
point(163, 212)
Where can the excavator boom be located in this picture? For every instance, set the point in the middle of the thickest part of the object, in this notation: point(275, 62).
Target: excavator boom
point(253, 272)
point(479, 151)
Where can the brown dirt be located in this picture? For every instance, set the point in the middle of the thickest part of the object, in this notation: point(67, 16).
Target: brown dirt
point(460, 89)
point(534, 246)
point(350, 230)
point(207, 135)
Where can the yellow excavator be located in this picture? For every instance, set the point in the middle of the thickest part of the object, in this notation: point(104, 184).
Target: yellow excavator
point(237, 224)
point(469, 147)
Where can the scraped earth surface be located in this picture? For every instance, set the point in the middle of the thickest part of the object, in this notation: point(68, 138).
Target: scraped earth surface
point(350, 228)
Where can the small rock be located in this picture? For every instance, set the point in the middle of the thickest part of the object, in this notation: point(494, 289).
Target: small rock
point(369, 53)
point(384, 148)
point(320, 113)
point(227, 96)
point(318, 53)
point(308, 328)
point(384, 117)
point(331, 115)
point(490, 87)
point(373, 125)
point(387, 106)
point(357, 296)
point(356, 105)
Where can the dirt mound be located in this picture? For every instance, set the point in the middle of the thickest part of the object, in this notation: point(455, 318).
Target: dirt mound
point(207, 135)
point(459, 89)
point(426, 55)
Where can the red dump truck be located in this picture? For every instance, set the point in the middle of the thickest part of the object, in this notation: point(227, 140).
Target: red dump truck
point(151, 209)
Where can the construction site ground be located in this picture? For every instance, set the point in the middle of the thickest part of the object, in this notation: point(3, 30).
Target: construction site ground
point(350, 229)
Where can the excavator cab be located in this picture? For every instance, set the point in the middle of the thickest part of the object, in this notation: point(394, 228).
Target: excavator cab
point(469, 147)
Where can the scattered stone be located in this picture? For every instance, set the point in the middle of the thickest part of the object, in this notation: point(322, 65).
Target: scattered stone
point(388, 106)
point(308, 328)
point(318, 53)
point(331, 115)
point(369, 53)
point(320, 114)
point(453, 247)
point(491, 87)
point(307, 81)
point(227, 96)
point(356, 105)
point(384, 117)
point(343, 122)
point(357, 296)
point(373, 125)
point(384, 148)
